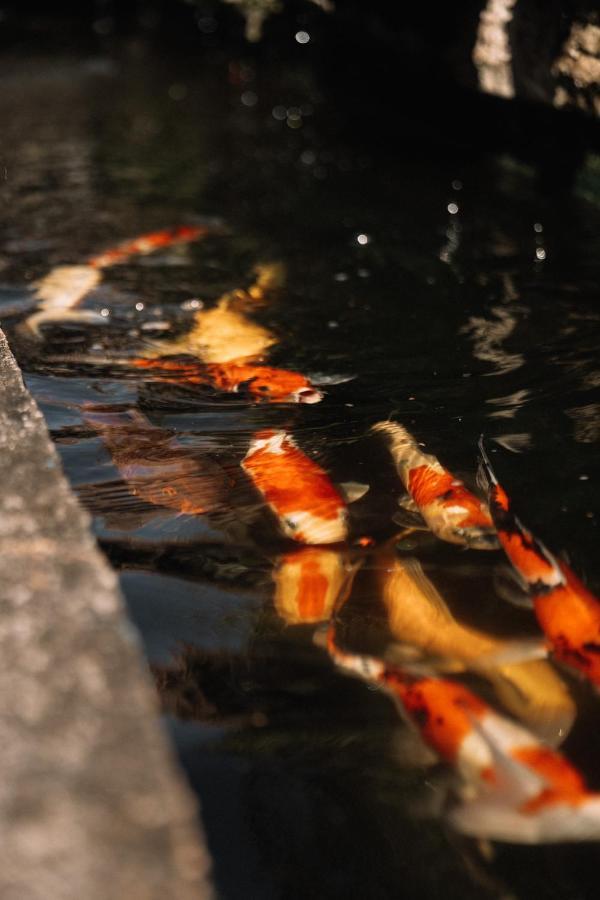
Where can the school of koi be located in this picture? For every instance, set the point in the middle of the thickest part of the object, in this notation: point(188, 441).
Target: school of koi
point(514, 784)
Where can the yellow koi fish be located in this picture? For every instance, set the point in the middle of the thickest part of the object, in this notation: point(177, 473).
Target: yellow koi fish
point(419, 616)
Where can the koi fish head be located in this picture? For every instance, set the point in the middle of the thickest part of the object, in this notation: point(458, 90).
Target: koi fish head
point(280, 386)
point(475, 538)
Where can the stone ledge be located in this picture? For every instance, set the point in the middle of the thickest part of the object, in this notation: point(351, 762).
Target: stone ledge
point(91, 802)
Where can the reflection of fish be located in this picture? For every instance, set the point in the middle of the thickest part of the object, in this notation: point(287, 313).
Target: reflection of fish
point(63, 287)
point(308, 507)
point(525, 792)
point(451, 511)
point(418, 616)
point(224, 333)
point(568, 613)
point(156, 468)
point(261, 382)
point(310, 582)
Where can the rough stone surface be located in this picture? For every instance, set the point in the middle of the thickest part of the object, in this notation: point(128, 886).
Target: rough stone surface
point(91, 805)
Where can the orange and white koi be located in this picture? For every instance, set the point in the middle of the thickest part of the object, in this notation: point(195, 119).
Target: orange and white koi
point(310, 583)
point(449, 509)
point(262, 383)
point(224, 333)
point(567, 612)
point(419, 617)
point(155, 467)
point(524, 792)
point(59, 292)
point(308, 507)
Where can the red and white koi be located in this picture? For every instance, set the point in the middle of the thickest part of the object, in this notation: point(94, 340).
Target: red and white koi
point(149, 243)
point(449, 509)
point(567, 612)
point(155, 467)
point(262, 383)
point(310, 583)
point(522, 790)
point(59, 292)
point(299, 492)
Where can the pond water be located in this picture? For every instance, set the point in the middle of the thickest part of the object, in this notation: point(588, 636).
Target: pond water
point(427, 284)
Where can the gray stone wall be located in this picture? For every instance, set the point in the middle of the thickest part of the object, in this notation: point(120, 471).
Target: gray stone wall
point(91, 803)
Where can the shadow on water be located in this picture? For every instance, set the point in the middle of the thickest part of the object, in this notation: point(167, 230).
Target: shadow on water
point(460, 300)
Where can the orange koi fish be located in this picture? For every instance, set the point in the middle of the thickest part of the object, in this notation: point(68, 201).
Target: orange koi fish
point(262, 383)
point(310, 582)
point(61, 290)
point(449, 509)
point(155, 467)
point(419, 616)
point(308, 507)
point(525, 792)
point(568, 613)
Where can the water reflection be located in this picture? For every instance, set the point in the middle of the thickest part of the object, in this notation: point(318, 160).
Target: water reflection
point(302, 771)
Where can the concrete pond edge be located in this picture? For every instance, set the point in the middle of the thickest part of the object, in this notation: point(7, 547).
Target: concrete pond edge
point(92, 803)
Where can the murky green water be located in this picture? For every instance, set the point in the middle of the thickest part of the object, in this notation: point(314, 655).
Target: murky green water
point(471, 308)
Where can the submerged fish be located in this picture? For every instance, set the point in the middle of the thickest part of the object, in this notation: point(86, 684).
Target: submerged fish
point(155, 467)
point(419, 616)
point(449, 509)
point(225, 334)
point(59, 292)
point(149, 243)
point(262, 383)
point(524, 792)
point(310, 583)
point(308, 507)
point(568, 613)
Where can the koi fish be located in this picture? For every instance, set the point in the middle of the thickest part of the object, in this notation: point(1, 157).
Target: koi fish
point(449, 509)
point(263, 383)
point(155, 467)
point(148, 243)
point(525, 792)
point(307, 506)
point(59, 292)
point(567, 612)
point(419, 616)
point(225, 334)
point(310, 582)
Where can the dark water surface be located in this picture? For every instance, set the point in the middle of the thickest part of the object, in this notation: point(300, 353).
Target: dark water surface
point(472, 307)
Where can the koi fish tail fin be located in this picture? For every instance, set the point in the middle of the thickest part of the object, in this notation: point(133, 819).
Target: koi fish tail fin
point(565, 819)
point(269, 279)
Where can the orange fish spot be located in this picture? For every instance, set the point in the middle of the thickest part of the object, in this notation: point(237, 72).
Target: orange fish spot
point(426, 486)
point(443, 710)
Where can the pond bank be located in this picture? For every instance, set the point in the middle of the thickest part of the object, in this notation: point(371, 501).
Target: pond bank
point(82, 815)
